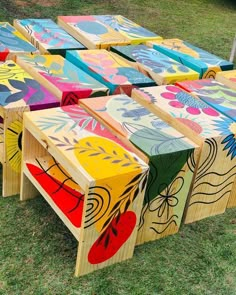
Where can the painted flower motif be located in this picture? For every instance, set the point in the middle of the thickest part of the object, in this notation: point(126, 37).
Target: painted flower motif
point(180, 99)
point(228, 127)
point(225, 126)
point(230, 145)
point(13, 144)
point(166, 198)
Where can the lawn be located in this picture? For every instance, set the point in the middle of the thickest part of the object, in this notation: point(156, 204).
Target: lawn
point(37, 252)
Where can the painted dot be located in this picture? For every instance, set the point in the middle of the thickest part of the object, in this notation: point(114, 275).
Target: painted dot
point(119, 79)
point(168, 95)
point(173, 89)
point(210, 112)
point(92, 28)
point(106, 63)
point(193, 111)
point(176, 104)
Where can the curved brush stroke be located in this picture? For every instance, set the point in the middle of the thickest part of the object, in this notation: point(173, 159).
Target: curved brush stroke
point(151, 179)
point(93, 208)
point(210, 158)
point(191, 161)
point(208, 203)
point(60, 186)
point(213, 193)
point(219, 184)
point(169, 223)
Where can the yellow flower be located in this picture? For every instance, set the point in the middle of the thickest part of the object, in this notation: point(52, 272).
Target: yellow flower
point(13, 144)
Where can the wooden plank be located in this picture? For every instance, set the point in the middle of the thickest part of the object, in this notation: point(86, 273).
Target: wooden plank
point(132, 31)
point(19, 92)
point(205, 63)
point(1, 139)
point(46, 35)
point(116, 74)
point(161, 68)
point(215, 176)
point(13, 43)
point(66, 81)
point(113, 194)
point(228, 78)
point(91, 32)
point(214, 93)
point(170, 157)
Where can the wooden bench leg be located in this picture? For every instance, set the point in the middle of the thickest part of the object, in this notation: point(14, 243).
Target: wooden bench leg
point(233, 51)
point(11, 162)
point(32, 150)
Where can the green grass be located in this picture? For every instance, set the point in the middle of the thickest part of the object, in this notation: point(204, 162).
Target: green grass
point(37, 252)
point(38, 257)
point(208, 24)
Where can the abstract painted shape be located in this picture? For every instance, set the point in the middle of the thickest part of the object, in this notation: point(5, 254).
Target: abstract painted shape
point(12, 42)
point(18, 88)
point(114, 236)
point(65, 80)
point(64, 192)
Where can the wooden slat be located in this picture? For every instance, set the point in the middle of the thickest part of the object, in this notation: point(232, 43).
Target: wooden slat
point(116, 74)
point(228, 78)
point(46, 35)
point(205, 63)
point(91, 32)
point(161, 68)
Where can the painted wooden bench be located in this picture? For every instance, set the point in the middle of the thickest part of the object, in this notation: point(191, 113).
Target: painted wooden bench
point(94, 184)
point(228, 78)
point(62, 78)
point(214, 93)
point(170, 156)
point(214, 184)
point(19, 93)
point(161, 68)
point(13, 42)
point(134, 32)
point(205, 63)
point(110, 70)
point(91, 32)
point(46, 35)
